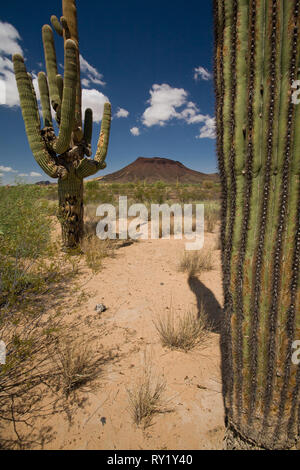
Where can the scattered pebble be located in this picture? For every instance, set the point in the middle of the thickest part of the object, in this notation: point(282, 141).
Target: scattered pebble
point(100, 308)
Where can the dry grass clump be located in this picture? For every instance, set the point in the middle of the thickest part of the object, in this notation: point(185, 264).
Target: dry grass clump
point(146, 398)
point(76, 364)
point(196, 261)
point(95, 251)
point(211, 217)
point(183, 332)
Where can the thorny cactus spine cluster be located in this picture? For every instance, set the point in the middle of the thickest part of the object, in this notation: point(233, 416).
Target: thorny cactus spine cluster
point(257, 56)
point(66, 156)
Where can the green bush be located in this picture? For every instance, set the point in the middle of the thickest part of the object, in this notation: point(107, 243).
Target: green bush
point(25, 228)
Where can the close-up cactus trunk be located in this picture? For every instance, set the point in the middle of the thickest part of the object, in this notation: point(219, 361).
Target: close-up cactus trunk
point(257, 59)
point(62, 156)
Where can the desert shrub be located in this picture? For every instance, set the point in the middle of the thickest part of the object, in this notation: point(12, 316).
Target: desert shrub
point(208, 184)
point(76, 364)
point(183, 332)
point(29, 340)
point(196, 262)
point(141, 192)
point(25, 228)
point(95, 250)
point(212, 216)
point(92, 185)
point(146, 396)
point(183, 195)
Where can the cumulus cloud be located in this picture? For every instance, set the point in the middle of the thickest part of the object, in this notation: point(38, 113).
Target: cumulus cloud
point(9, 44)
point(93, 76)
point(208, 131)
point(135, 131)
point(7, 169)
point(122, 113)
point(9, 38)
point(92, 98)
point(163, 103)
point(201, 73)
point(167, 103)
point(95, 100)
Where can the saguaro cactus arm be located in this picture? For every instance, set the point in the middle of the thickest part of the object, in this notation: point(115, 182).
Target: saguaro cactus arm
point(89, 167)
point(69, 98)
point(32, 123)
point(45, 99)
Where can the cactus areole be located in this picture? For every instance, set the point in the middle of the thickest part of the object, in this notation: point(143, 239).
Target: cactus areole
point(257, 60)
point(66, 156)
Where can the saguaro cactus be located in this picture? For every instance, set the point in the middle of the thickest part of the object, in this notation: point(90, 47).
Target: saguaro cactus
point(62, 156)
point(257, 58)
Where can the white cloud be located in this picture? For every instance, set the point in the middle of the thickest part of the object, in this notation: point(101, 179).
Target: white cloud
point(167, 103)
point(95, 100)
point(135, 131)
point(93, 76)
point(85, 82)
point(202, 73)
point(7, 169)
point(33, 174)
point(10, 95)
point(9, 38)
point(122, 113)
point(163, 103)
point(208, 131)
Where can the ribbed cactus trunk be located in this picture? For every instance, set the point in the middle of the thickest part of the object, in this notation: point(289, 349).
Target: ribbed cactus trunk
point(257, 56)
point(70, 215)
point(63, 156)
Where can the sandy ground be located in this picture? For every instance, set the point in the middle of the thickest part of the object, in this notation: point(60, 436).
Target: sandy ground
point(139, 283)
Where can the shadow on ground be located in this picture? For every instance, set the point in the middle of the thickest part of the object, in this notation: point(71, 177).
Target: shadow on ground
point(207, 300)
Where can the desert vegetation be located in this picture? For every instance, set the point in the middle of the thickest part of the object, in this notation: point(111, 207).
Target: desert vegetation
point(67, 155)
point(183, 331)
point(196, 262)
point(40, 287)
point(147, 397)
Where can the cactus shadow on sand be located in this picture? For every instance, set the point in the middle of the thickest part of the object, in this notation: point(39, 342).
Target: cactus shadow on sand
point(207, 301)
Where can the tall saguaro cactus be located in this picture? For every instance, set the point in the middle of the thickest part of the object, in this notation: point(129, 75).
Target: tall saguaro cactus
point(257, 58)
point(66, 156)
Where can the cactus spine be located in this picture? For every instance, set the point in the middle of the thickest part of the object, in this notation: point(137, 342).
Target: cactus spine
point(257, 58)
point(62, 156)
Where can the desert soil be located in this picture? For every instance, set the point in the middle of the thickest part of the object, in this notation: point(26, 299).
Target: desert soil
point(140, 282)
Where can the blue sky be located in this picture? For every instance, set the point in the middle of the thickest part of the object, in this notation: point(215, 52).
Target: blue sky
point(151, 59)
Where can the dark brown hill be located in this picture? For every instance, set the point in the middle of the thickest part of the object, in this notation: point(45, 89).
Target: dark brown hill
point(157, 169)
